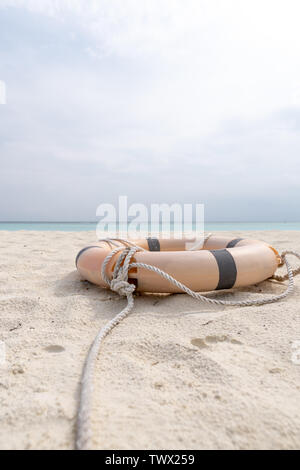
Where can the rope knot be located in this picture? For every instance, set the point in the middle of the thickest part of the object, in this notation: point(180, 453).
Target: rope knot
point(122, 287)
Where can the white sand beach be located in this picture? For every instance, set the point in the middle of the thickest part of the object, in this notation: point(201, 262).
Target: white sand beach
point(176, 374)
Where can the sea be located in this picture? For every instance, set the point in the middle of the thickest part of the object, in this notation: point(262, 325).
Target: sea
point(208, 226)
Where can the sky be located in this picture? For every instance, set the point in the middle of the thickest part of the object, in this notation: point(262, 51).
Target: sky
point(164, 101)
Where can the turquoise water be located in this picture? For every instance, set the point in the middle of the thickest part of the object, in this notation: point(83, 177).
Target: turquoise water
point(209, 226)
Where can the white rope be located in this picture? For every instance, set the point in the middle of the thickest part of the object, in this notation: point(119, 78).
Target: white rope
point(200, 243)
point(119, 283)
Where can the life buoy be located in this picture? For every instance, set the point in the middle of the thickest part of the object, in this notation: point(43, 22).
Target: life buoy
point(154, 265)
point(221, 263)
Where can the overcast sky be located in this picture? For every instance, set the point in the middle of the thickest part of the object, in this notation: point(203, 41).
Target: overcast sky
point(160, 100)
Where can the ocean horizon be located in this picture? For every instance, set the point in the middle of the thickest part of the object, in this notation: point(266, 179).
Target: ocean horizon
point(208, 226)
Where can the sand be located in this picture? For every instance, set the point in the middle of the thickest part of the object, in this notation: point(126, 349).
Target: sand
point(176, 374)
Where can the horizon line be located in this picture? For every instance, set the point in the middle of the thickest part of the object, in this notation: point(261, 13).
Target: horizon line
point(172, 222)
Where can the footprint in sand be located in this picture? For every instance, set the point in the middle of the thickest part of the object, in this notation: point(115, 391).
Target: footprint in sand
point(54, 348)
point(203, 343)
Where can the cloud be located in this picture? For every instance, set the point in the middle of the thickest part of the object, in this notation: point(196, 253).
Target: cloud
point(158, 100)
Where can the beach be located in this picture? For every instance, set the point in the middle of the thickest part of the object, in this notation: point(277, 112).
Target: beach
point(175, 374)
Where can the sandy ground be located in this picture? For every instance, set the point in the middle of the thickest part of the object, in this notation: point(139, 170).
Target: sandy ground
point(175, 374)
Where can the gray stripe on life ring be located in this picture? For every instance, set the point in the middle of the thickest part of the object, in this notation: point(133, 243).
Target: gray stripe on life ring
point(83, 250)
point(227, 268)
point(153, 244)
point(234, 242)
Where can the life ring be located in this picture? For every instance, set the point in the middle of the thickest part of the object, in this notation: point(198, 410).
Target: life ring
point(221, 263)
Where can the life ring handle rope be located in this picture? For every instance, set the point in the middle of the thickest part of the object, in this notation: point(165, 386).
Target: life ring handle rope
point(119, 284)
